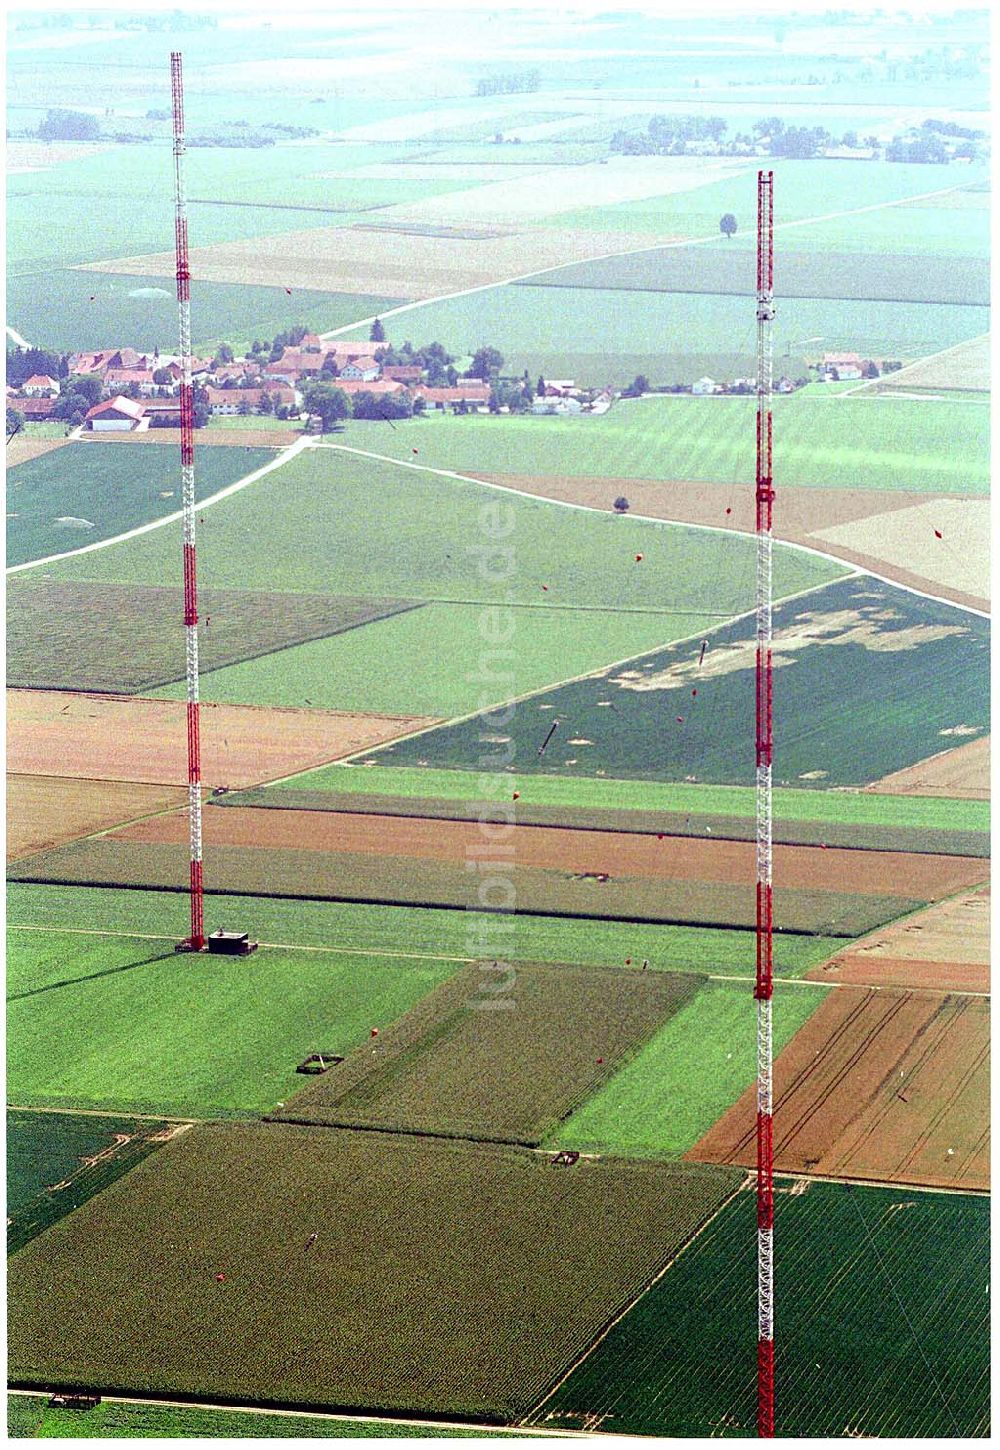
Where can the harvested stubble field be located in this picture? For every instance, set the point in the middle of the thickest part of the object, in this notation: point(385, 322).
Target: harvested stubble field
point(879, 1284)
point(895, 278)
point(623, 856)
point(45, 810)
point(912, 669)
point(866, 837)
point(25, 446)
point(113, 491)
point(212, 437)
point(965, 368)
point(156, 1033)
point(104, 737)
point(531, 1261)
point(946, 947)
point(662, 1101)
point(962, 773)
point(496, 1053)
point(418, 931)
point(366, 876)
point(940, 545)
point(354, 259)
point(890, 1086)
point(127, 639)
point(56, 1161)
point(890, 532)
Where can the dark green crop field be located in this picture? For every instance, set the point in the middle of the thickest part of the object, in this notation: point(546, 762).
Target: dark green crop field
point(867, 680)
point(508, 1268)
point(128, 640)
point(868, 837)
point(500, 1053)
point(85, 492)
point(423, 881)
point(884, 1326)
point(889, 278)
point(57, 1161)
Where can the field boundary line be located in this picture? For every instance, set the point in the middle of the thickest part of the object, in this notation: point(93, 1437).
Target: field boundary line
point(536, 1409)
point(859, 986)
point(931, 357)
point(475, 1428)
point(273, 945)
point(607, 256)
point(106, 1113)
point(849, 568)
point(282, 458)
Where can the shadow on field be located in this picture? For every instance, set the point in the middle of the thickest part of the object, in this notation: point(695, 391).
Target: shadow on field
point(90, 977)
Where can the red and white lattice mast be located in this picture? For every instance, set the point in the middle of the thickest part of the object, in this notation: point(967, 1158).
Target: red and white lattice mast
point(196, 941)
point(763, 988)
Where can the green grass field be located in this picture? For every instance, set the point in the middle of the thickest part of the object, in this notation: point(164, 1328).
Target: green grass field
point(928, 813)
point(30, 1418)
point(696, 1067)
point(868, 680)
point(343, 672)
point(820, 442)
point(369, 930)
point(406, 533)
point(114, 487)
point(606, 337)
point(884, 1326)
point(154, 1032)
point(143, 310)
point(561, 1251)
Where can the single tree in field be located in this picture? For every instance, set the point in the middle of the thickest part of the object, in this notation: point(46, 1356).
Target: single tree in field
point(377, 333)
point(621, 504)
point(727, 224)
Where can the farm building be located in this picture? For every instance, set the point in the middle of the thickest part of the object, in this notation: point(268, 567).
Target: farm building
point(360, 369)
point(35, 410)
point(704, 387)
point(227, 401)
point(117, 415)
point(409, 374)
point(41, 386)
point(163, 412)
point(467, 390)
point(117, 378)
point(377, 385)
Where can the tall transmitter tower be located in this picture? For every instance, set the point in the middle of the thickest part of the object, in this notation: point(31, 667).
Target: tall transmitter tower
point(763, 988)
point(196, 941)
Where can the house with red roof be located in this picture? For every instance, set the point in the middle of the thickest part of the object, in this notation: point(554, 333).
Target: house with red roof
point(226, 401)
point(471, 391)
point(40, 386)
point(116, 379)
point(117, 415)
point(34, 410)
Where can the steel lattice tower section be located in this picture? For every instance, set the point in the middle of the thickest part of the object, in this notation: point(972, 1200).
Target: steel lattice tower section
point(763, 988)
point(196, 941)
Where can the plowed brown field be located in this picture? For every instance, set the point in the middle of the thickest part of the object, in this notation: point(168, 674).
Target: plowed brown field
point(804, 515)
point(45, 811)
point(105, 737)
point(891, 1086)
point(962, 773)
point(619, 854)
point(947, 946)
point(21, 449)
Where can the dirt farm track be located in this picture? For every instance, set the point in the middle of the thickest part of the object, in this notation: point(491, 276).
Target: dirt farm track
point(890, 1086)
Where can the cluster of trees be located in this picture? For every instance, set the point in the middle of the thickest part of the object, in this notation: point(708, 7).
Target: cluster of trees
point(927, 150)
point(24, 362)
point(60, 125)
point(64, 125)
point(435, 361)
point(669, 135)
point(509, 83)
point(333, 406)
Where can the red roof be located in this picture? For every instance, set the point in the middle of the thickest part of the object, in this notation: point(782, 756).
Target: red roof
point(41, 380)
point(353, 347)
point(842, 359)
point(403, 374)
point(128, 375)
point(34, 407)
point(249, 395)
point(376, 385)
point(473, 391)
point(125, 406)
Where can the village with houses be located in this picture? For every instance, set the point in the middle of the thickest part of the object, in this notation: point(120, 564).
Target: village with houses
point(120, 389)
point(321, 383)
